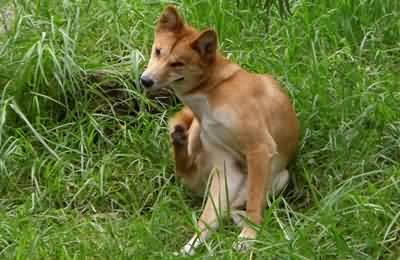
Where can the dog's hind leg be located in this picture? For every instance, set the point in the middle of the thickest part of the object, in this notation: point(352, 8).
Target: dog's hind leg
point(280, 182)
point(226, 181)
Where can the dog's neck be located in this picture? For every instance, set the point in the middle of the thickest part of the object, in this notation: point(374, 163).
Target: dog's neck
point(221, 70)
point(196, 97)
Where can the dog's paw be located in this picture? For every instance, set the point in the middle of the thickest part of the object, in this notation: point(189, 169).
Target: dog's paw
point(179, 135)
point(187, 250)
point(184, 252)
point(245, 240)
point(243, 245)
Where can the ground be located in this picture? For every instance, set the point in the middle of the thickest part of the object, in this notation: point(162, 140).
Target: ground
point(85, 163)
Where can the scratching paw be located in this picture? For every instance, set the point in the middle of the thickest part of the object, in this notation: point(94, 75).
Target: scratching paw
point(179, 135)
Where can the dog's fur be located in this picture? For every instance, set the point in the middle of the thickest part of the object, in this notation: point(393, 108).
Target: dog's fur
point(234, 121)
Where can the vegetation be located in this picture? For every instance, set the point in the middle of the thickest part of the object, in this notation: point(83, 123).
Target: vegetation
point(85, 163)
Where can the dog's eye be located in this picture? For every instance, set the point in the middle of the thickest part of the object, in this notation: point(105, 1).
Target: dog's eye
point(157, 51)
point(177, 64)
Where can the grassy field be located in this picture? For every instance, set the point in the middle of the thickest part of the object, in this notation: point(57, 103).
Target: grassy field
point(85, 164)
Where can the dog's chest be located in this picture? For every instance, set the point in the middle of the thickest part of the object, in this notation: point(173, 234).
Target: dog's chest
point(217, 124)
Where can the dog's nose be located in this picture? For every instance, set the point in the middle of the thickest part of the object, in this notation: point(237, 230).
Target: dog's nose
point(146, 81)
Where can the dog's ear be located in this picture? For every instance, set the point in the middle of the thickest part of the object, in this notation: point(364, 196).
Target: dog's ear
point(170, 20)
point(206, 44)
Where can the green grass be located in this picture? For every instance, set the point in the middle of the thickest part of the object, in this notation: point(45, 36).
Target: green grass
point(85, 163)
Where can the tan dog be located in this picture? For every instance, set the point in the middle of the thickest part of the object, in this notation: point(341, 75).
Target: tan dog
point(237, 122)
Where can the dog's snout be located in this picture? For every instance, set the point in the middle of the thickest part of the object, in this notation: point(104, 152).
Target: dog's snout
point(146, 81)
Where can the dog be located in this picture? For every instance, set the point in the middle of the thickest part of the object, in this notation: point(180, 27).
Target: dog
point(237, 129)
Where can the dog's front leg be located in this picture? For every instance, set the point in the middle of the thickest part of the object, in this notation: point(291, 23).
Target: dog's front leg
point(259, 179)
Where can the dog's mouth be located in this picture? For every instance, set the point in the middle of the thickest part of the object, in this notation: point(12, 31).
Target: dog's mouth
point(157, 87)
point(179, 79)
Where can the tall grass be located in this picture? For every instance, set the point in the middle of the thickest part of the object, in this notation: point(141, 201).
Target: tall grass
point(85, 165)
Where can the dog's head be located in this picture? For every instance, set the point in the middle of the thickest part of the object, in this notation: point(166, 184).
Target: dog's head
point(180, 56)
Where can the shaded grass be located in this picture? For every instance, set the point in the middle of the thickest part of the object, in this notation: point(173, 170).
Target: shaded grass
point(81, 179)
